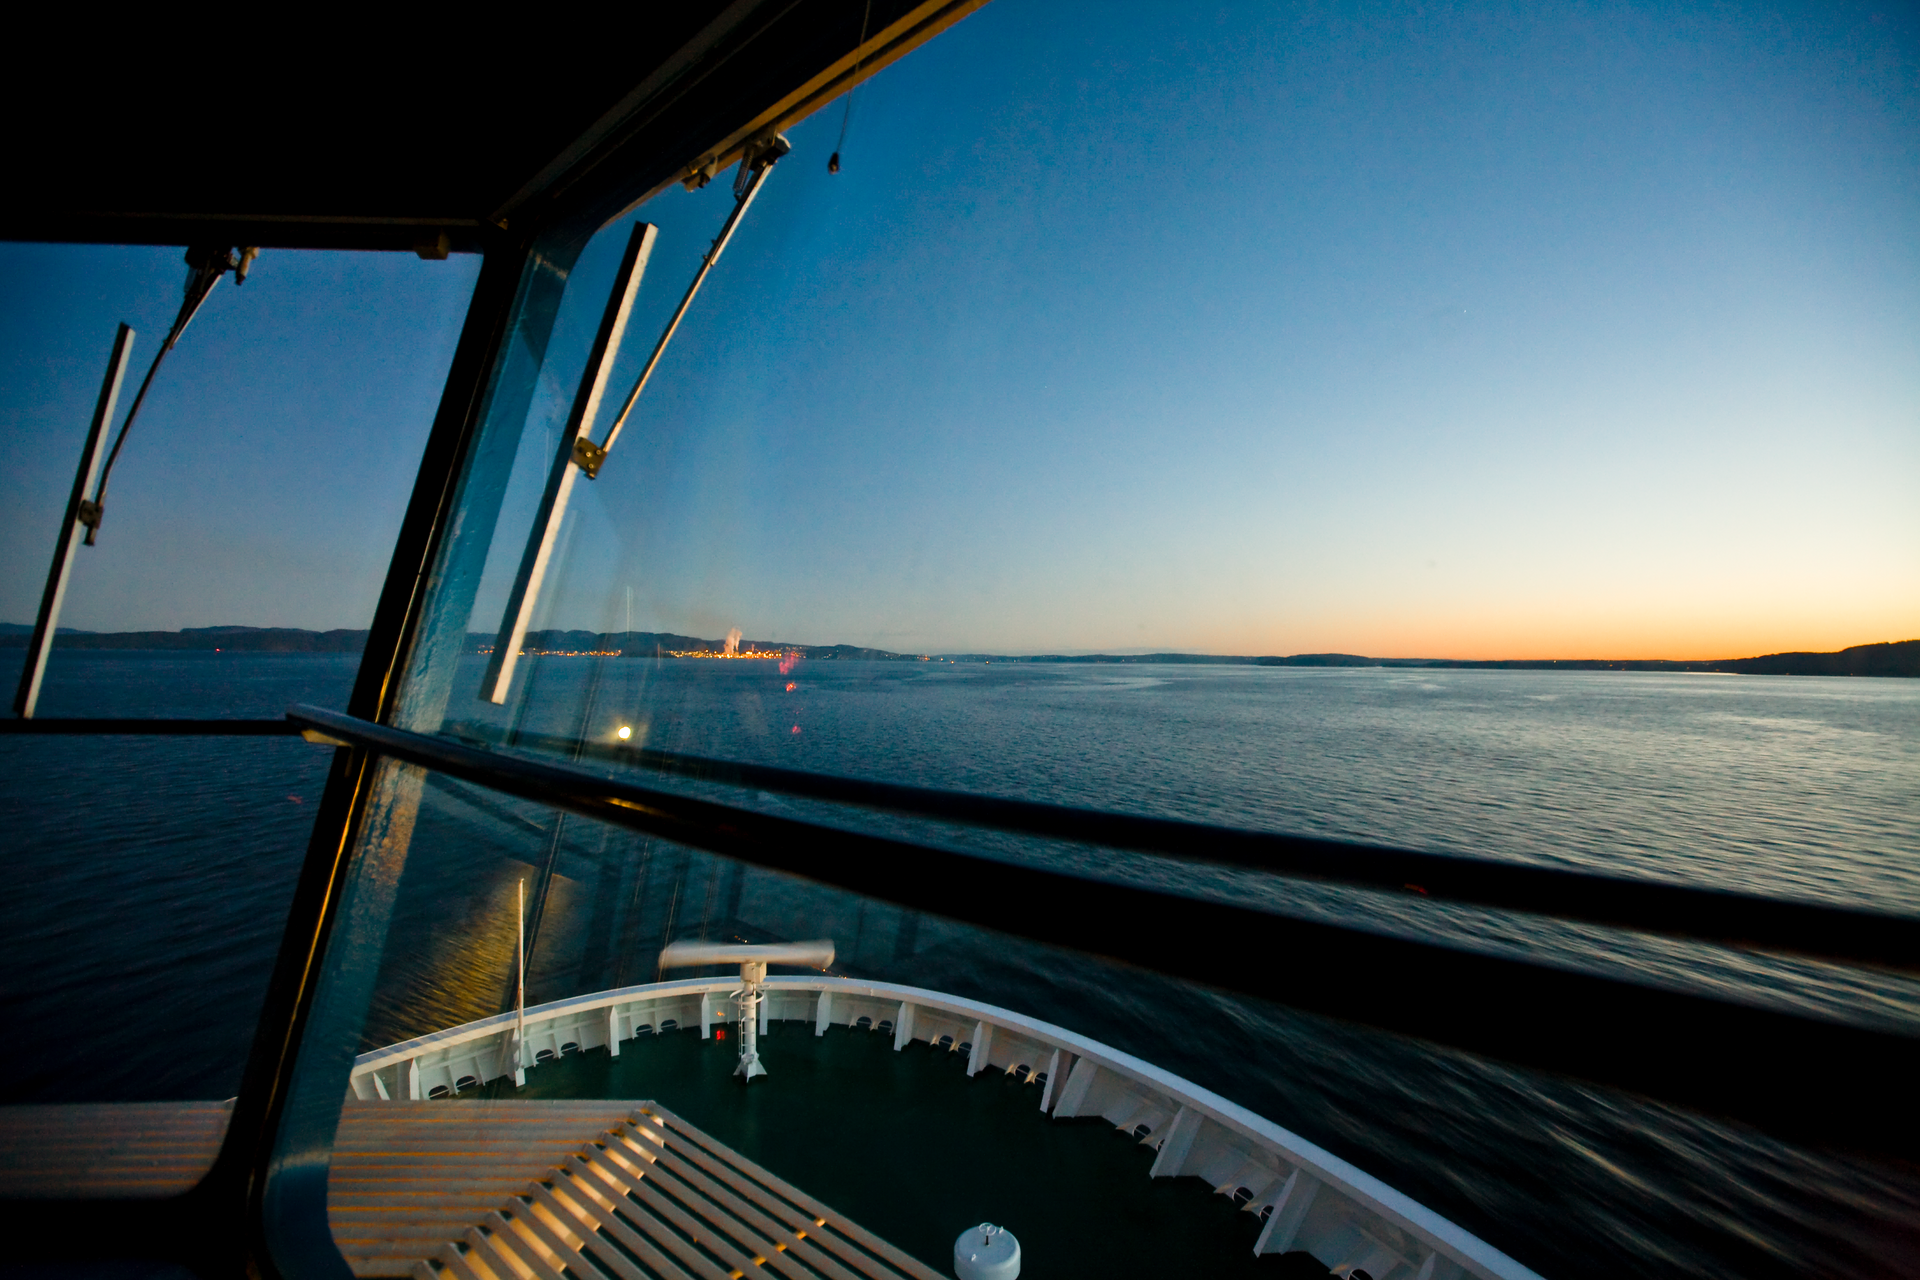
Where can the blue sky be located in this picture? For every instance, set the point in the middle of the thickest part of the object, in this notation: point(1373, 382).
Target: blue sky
point(264, 480)
point(1473, 331)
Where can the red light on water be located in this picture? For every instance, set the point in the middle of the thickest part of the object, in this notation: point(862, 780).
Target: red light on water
point(790, 685)
point(796, 728)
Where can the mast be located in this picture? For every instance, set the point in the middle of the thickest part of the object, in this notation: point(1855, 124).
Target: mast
point(520, 999)
point(753, 960)
point(752, 974)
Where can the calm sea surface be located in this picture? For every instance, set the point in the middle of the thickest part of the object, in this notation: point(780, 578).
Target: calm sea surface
point(149, 878)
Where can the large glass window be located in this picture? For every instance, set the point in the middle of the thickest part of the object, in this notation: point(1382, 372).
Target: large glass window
point(1114, 347)
point(248, 525)
point(1376, 427)
point(253, 508)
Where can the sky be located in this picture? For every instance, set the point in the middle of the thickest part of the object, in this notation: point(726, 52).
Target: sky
point(264, 481)
point(1439, 331)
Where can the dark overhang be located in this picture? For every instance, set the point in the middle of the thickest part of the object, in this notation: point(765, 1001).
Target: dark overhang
point(394, 137)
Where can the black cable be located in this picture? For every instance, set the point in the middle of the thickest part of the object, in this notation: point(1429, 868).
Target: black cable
point(91, 512)
point(846, 117)
point(208, 266)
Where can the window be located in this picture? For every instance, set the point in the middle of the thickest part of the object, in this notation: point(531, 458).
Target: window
point(1048, 562)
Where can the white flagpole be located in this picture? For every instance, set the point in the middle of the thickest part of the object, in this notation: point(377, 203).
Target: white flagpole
point(520, 1001)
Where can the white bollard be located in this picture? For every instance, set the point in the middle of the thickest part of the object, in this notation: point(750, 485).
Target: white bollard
point(986, 1252)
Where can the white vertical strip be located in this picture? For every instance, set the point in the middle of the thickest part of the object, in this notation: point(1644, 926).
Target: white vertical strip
point(47, 624)
point(982, 1044)
point(553, 501)
point(1053, 1081)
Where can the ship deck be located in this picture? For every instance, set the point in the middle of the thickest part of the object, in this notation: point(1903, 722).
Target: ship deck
point(482, 1185)
point(908, 1144)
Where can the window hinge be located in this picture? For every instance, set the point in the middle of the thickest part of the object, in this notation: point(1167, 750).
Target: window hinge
point(588, 456)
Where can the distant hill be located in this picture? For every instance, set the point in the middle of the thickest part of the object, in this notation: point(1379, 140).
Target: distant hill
point(1195, 659)
point(1899, 658)
point(637, 644)
point(656, 644)
point(26, 629)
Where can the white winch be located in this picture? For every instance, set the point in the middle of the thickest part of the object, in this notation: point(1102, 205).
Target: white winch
point(753, 962)
point(986, 1252)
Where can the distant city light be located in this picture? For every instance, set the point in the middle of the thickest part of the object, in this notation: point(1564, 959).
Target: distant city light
point(626, 731)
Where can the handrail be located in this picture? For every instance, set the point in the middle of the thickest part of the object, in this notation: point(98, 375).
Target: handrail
point(1650, 906)
point(1718, 916)
point(1799, 1076)
point(161, 727)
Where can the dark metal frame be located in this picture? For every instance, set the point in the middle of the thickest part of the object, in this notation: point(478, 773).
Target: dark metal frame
point(246, 1163)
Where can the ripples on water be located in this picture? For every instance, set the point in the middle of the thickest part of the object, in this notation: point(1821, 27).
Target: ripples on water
point(152, 892)
point(149, 877)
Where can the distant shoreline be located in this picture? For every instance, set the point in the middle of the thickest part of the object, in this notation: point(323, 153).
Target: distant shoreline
point(1899, 659)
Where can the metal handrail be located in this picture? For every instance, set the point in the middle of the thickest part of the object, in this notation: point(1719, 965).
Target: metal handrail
point(1718, 916)
point(1799, 1076)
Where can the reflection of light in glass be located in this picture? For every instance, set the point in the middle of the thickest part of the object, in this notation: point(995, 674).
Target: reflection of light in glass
point(626, 731)
point(796, 728)
point(790, 685)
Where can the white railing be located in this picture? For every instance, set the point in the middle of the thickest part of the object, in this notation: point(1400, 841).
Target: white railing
point(1308, 1197)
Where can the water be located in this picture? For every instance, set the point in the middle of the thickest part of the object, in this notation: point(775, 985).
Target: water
point(151, 876)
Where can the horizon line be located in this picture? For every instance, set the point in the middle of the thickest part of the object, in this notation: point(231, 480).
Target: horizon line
point(9, 629)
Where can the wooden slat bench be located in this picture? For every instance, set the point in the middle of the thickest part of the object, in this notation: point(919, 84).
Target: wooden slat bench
point(654, 1196)
point(442, 1190)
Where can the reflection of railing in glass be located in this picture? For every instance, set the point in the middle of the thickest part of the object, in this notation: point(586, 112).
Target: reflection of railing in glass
point(1805, 1076)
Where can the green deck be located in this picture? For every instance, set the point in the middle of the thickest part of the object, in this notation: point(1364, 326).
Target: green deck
point(909, 1147)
